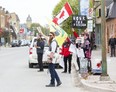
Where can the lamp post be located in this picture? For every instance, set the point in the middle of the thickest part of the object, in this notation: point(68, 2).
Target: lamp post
point(104, 76)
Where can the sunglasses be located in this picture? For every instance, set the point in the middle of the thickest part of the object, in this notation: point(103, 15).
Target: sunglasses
point(50, 35)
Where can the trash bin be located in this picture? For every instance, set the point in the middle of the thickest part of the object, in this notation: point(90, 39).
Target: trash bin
point(83, 67)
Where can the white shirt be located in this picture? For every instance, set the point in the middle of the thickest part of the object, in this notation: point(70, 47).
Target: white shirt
point(53, 46)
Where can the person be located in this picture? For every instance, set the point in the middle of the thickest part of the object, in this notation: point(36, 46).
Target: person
point(86, 46)
point(111, 43)
point(77, 45)
point(40, 49)
point(87, 50)
point(67, 55)
point(53, 48)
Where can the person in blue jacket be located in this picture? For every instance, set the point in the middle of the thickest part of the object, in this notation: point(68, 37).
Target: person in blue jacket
point(40, 49)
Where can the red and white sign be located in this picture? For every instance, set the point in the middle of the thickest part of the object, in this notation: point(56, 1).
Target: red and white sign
point(21, 30)
point(65, 12)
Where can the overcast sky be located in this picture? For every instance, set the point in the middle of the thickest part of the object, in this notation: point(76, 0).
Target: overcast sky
point(38, 9)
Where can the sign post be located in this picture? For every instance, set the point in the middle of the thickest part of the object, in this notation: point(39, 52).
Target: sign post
point(79, 21)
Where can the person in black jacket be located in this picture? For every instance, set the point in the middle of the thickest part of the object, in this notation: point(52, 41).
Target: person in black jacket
point(111, 43)
point(40, 49)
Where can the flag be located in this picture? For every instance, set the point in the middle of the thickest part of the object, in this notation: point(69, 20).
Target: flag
point(61, 35)
point(65, 12)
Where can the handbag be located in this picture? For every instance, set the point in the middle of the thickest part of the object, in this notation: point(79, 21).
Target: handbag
point(88, 54)
point(51, 57)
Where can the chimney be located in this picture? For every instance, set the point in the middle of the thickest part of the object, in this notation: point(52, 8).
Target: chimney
point(7, 12)
point(3, 9)
point(0, 7)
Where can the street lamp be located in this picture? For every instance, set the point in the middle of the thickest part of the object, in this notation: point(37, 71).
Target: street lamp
point(104, 76)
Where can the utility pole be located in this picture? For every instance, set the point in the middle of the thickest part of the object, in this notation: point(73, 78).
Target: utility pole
point(104, 76)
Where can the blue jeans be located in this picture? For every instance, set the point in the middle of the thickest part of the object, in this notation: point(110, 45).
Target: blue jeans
point(53, 73)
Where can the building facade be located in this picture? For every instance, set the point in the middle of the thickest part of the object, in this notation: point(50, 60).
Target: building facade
point(29, 21)
point(9, 26)
point(110, 21)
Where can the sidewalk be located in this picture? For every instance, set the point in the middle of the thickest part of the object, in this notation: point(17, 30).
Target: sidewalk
point(93, 82)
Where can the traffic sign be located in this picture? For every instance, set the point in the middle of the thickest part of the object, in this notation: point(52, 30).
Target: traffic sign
point(21, 30)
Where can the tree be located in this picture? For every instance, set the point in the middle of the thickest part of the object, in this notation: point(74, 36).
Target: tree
point(66, 25)
point(34, 26)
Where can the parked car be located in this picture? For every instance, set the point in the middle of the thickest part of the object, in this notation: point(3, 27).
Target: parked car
point(33, 55)
point(23, 42)
point(15, 43)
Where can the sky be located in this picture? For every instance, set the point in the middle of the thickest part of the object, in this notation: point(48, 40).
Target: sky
point(39, 10)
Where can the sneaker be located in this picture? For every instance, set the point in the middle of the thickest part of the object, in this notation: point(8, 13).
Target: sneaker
point(50, 85)
point(40, 70)
point(59, 83)
point(69, 71)
point(64, 72)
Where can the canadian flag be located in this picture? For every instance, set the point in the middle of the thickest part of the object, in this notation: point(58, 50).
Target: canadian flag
point(65, 12)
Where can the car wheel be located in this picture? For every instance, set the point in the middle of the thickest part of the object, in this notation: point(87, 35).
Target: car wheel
point(30, 65)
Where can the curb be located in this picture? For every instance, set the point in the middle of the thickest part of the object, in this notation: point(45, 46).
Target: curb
point(75, 75)
point(95, 88)
point(81, 82)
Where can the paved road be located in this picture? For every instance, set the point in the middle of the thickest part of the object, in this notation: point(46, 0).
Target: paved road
point(15, 76)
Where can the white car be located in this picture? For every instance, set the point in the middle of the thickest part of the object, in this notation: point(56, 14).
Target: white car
point(33, 55)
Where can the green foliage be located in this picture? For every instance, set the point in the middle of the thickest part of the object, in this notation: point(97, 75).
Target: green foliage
point(66, 25)
point(34, 28)
point(91, 3)
point(45, 30)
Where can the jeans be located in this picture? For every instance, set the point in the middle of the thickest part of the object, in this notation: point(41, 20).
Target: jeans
point(53, 73)
point(78, 62)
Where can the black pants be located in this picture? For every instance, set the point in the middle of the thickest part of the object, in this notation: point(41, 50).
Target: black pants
point(68, 58)
point(112, 51)
point(78, 62)
point(39, 58)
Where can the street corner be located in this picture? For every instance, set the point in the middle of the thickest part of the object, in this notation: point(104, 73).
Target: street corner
point(93, 83)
